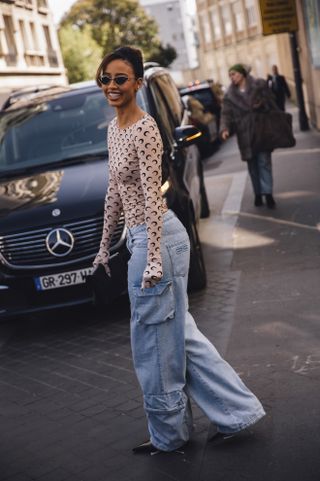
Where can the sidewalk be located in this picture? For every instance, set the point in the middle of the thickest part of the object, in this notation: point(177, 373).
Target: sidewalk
point(70, 406)
point(274, 341)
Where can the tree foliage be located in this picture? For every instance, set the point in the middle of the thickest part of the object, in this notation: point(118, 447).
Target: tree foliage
point(119, 22)
point(164, 55)
point(81, 54)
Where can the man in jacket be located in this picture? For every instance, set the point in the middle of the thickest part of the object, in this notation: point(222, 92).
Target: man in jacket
point(278, 84)
point(245, 96)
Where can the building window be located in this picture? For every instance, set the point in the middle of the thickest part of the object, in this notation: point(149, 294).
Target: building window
point(52, 55)
point(24, 35)
point(47, 37)
point(34, 36)
point(226, 19)
point(238, 16)
point(251, 13)
point(312, 19)
point(215, 20)
point(11, 57)
point(205, 27)
point(42, 4)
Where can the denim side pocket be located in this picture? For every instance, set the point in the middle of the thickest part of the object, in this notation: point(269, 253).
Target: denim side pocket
point(155, 304)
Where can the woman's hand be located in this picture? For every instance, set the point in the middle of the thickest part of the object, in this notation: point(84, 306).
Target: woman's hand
point(225, 134)
point(152, 274)
point(102, 258)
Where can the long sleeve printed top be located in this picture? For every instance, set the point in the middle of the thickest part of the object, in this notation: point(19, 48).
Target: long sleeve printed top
point(135, 155)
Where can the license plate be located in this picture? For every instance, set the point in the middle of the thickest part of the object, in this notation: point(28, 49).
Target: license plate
point(64, 279)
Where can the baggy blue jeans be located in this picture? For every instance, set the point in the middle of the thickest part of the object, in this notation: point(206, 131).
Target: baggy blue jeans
point(173, 360)
point(260, 170)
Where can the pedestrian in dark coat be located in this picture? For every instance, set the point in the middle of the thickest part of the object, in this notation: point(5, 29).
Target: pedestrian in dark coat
point(245, 96)
point(278, 84)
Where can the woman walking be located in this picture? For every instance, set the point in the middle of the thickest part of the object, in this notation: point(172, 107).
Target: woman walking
point(245, 96)
point(172, 359)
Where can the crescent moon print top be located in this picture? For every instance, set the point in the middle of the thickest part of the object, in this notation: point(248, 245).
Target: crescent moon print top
point(135, 176)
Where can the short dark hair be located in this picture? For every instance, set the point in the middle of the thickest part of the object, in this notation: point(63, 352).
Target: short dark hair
point(131, 55)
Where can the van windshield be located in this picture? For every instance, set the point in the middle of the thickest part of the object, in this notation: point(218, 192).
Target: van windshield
point(54, 130)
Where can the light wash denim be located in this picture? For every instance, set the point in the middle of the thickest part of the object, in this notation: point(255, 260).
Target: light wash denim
point(172, 359)
point(260, 170)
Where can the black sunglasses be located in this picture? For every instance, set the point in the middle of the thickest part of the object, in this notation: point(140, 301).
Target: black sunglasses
point(119, 80)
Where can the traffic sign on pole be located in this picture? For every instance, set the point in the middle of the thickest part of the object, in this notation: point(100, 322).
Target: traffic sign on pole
point(278, 16)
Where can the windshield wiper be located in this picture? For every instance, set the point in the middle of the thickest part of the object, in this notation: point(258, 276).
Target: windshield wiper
point(59, 162)
point(83, 157)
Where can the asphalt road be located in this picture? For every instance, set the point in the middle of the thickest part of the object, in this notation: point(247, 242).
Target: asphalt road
point(70, 406)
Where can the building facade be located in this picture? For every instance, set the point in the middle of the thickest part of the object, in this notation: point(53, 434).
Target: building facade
point(230, 31)
point(176, 20)
point(29, 47)
point(308, 13)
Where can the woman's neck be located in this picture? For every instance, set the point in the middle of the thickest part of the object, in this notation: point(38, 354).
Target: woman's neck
point(128, 115)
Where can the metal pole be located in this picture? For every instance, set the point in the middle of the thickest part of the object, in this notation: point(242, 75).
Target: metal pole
point(303, 119)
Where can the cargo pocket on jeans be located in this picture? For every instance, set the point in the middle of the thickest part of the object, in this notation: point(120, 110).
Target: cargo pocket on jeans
point(171, 402)
point(154, 305)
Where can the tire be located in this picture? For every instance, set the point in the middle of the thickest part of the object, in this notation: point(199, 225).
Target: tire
point(197, 272)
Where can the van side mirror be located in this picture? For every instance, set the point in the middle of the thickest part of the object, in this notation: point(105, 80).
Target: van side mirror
point(186, 135)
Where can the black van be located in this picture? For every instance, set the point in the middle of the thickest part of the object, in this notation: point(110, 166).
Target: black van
point(53, 180)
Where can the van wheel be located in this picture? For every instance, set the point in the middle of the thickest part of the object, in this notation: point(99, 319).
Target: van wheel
point(197, 272)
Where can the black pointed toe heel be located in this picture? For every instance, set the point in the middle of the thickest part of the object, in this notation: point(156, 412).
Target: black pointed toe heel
point(146, 448)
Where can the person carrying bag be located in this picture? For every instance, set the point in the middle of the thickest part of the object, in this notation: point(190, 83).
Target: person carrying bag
point(249, 111)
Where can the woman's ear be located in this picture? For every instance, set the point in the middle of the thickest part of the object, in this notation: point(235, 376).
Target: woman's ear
point(139, 83)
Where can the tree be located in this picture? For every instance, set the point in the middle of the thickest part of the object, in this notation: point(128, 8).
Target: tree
point(81, 54)
point(164, 55)
point(119, 22)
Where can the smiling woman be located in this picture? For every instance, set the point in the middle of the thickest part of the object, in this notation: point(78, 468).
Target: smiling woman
point(172, 359)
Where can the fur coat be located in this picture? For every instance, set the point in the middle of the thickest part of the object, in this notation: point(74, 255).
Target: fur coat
point(238, 109)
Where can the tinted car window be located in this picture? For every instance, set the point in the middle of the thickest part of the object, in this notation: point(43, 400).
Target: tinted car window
point(205, 97)
point(54, 130)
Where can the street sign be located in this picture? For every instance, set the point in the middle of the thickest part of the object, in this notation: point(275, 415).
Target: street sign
point(278, 16)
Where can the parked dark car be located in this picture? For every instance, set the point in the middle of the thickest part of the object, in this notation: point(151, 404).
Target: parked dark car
point(203, 105)
point(53, 180)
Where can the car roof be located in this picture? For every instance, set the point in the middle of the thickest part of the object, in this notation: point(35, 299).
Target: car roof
point(25, 98)
point(195, 88)
point(34, 95)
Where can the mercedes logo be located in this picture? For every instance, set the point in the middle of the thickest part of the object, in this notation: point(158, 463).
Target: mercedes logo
point(59, 242)
point(56, 212)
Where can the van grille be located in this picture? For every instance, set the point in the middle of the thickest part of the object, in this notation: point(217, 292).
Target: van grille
point(28, 249)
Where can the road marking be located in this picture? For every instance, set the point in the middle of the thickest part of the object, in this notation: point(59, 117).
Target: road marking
point(233, 201)
point(304, 366)
point(236, 214)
